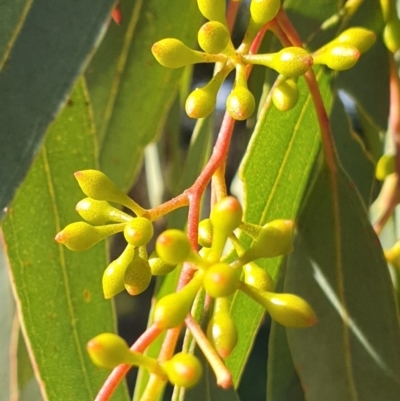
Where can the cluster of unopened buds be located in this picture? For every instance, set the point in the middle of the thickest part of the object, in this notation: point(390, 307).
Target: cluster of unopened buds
point(340, 54)
point(220, 279)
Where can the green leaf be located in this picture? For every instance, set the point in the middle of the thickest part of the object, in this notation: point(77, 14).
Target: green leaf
point(353, 353)
point(283, 383)
point(132, 93)
point(48, 55)
point(12, 18)
point(275, 172)
point(59, 292)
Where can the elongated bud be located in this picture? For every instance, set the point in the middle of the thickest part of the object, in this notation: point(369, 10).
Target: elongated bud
point(172, 53)
point(289, 310)
point(240, 103)
point(225, 217)
point(81, 236)
point(275, 239)
point(114, 274)
point(221, 280)
point(137, 276)
point(391, 34)
point(359, 37)
point(258, 277)
point(385, 166)
point(285, 95)
point(290, 61)
point(201, 102)
point(97, 185)
point(183, 370)
point(108, 350)
point(221, 329)
point(171, 310)
point(263, 11)
point(213, 37)
point(338, 57)
point(158, 266)
point(213, 10)
point(173, 246)
point(100, 212)
point(139, 231)
point(392, 255)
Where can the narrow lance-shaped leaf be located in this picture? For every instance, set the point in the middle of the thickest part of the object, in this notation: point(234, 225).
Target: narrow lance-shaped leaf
point(353, 353)
point(59, 293)
point(275, 172)
point(48, 55)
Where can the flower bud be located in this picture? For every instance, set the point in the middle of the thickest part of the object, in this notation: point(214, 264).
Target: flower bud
point(263, 11)
point(173, 246)
point(391, 34)
point(213, 37)
point(158, 266)
point(221, 280)
point(240, 103)
point(137, 276)
point(258, 277)
point(338, 57)
point(108, 350)
point(183, 370)
point(285, 95)
point(100, 212)
point(114, 274)
point(172, 53)
point(213, 10)
point(359, 37)
point(81, 236)
point(290, 61)
point(139, 231)
point(205, 233)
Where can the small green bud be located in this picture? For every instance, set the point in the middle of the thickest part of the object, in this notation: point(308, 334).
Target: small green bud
point(173, 246)
point(137, 276)
point(221, 329)
point(392, 255)
point(158, 266)
point(201, 102)
point(240, 103)
point(108, 350)
point(139, 231)
point(170, 311)
point(221, 280)
point(81, 236)
point(285, 95)
point(205, 233)
point(275, 239)
point(213, 10)
point(391, 34)
point(359, 37)
point(258, 277)
point(386, 165)
point(289, 310)
point(338, 57)
point(100, 212)
point(98, 186)
point(213, 37)
point(226, 215)
point(172, 53)
point(183, 370)
point(114, 274)
point(263, 11)
point(290, 61)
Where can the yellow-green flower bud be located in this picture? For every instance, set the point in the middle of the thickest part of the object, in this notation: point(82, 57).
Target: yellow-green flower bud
point(285, 95)
point(263, 11)
point(213, 37)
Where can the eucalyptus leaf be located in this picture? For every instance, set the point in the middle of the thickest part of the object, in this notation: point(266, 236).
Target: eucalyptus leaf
point(49, 53)
point(338, 267)
point(59, 292)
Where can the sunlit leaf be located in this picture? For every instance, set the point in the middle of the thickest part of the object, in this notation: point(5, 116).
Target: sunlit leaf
point(59, 292)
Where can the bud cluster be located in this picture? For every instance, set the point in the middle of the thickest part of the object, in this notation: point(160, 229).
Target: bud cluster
point(291, 62)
